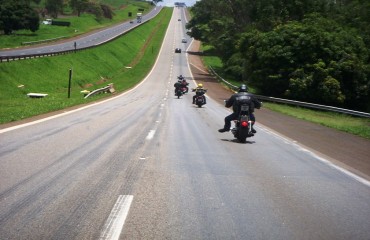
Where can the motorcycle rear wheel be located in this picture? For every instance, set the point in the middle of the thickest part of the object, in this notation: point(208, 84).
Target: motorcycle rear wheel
point(242, 135)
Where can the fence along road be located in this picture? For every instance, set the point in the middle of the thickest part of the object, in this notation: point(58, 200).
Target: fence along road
point(85, 42)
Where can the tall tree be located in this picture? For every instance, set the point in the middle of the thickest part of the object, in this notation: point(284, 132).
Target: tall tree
point(16, 15)
point(54, 7)
point(311, 50)
point(107, 11)
point(79, 6)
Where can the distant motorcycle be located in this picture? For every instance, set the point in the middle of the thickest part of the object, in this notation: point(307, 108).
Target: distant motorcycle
point(178, 92)
point(184, 84)
point(243, 125)
point(200, 99)
point(184, 87)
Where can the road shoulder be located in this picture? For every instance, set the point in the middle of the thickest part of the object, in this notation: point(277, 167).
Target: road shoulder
point(343, 149)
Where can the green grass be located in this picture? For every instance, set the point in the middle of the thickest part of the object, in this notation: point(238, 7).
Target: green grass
point(92, 69)
point(354, 125)
point(79, 25)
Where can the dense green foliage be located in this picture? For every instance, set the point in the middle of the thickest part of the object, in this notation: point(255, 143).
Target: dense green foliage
point(79, 5)
point(79, 25)
point(308, 50)
point(15, 15)
point(54, 7)
point(20, 14)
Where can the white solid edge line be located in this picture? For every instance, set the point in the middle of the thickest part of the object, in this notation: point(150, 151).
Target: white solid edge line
point(316, 156)
point(90, 105)
point(321, 159)
point(114, 224)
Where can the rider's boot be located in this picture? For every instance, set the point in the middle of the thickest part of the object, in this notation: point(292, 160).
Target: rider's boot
point(253, 130)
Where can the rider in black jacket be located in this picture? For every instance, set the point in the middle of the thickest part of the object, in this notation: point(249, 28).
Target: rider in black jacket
point(236, 100)
point(177, 86)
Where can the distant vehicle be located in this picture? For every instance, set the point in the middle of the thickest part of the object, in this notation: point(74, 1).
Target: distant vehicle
point(179, 19)
point(139, 16)
point(47, 21)
point(184, 40)
point(178, 50)
point(131, 21)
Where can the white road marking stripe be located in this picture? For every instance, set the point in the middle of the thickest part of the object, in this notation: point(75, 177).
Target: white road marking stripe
point(114, 224)
point(150, 135)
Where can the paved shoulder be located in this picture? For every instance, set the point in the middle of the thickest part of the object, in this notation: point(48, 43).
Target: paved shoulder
point(346, 150)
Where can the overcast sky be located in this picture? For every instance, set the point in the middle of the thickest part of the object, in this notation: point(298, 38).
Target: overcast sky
point(171, 3)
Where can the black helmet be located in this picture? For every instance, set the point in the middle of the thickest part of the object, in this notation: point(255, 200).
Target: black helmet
point(243, 88)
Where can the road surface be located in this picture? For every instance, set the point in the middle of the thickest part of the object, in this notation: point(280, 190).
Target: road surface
point(146, 165)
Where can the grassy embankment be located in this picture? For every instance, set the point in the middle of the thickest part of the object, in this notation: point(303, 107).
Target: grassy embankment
point(92, 69)
point(79, 25)
point(354, 125)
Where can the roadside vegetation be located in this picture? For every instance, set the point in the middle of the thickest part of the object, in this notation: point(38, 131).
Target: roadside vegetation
point(354, 125)
point(307, 50)
point(123, 62)
point(80, 22)
point(97, 67)
point(346, 123)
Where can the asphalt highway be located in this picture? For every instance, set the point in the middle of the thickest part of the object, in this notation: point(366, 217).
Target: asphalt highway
point(146, 165)
point(85, 41)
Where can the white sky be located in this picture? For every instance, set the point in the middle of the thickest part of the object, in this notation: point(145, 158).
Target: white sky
point(171, 3)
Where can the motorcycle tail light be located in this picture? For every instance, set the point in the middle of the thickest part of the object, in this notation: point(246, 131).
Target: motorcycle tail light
point(244, 124)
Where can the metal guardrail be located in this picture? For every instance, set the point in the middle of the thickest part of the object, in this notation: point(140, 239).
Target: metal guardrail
point(29, 56)
point(21, 57)
point(43, 41)
point(297, 103)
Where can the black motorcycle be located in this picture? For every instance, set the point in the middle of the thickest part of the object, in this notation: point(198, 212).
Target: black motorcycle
point(243, 125)
point(178, 92)
point(200, 99)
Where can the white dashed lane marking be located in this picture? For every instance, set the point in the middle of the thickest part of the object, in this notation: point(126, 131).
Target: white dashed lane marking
point(114, 224)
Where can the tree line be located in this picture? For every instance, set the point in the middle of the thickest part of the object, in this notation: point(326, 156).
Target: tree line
point(20, 14)
point(307, 50)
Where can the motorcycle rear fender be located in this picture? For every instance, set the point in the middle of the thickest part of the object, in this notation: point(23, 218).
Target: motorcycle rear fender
point(244, 118)
point(200, 99)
